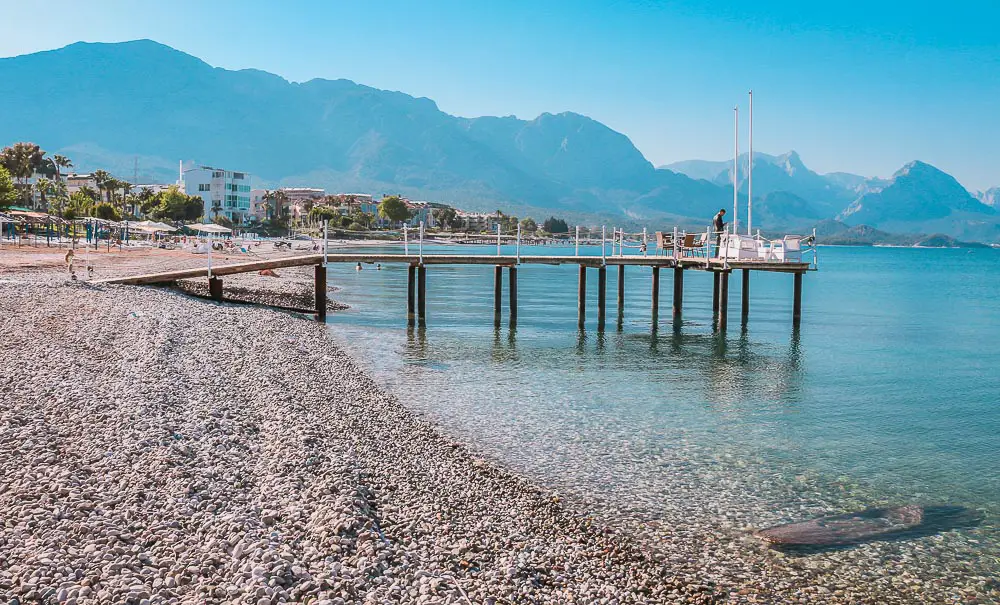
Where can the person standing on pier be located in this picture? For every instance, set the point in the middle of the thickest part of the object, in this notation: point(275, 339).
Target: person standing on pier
point(719, 225)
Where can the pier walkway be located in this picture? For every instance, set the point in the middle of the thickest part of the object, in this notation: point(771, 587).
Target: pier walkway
point(719, 268)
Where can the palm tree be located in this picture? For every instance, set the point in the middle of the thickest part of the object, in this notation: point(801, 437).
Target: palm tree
point(101, 178)
point(43, 186)
point(60, 198)
point(145, 197)
point(216, 209)
point(22, 160)
point(61, 161)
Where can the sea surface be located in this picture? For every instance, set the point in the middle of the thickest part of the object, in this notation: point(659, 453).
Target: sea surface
point(888, 394)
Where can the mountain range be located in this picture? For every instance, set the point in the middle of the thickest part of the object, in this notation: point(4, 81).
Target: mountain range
point(143, 104)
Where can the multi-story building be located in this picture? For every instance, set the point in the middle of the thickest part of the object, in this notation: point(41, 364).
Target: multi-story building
point(476, 221)
point(76, 182)
point(225, 190)
point(302, 199)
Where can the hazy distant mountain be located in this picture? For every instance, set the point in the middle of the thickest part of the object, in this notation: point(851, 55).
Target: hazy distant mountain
point(141, 107)
point(990, 197)
point(772, 174)
point(917, 192)
point(148, 100)
point(919, 197)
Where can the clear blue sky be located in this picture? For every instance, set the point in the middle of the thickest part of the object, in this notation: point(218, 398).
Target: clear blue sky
point(858, 86)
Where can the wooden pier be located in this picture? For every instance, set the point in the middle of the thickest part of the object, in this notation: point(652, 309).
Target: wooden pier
point(416, 298)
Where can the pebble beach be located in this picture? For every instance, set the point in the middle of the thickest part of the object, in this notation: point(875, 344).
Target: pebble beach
point(160, 448)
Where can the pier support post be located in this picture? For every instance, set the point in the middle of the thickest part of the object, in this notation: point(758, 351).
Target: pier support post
point(215, 288)
point(411, 295)
point(422, 296)
point(745, 295)
point(715, 294)
point(513, 296)
point(497, 293)
point(723, 300)
point(581, 304)
point(678, 292)
point(656, 297)
point(602, 282)
point(621, 293)
point(320, 283)
point(797, 302)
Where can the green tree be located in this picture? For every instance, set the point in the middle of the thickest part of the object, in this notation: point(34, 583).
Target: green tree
point(555, 225)
point(89, 192)
point(147, 200)
point(323, 213)
point(8, 192)
point(394, 210)
point(60, 162)
point(445, 216)
point(22, 160)
point(102, 178)
point(216, 208)
point(106, 211)
point(43, 186)
point(80, 204)
point(528, 224)
point(173, 204)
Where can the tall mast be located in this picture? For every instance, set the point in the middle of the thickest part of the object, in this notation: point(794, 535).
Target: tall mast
point(736, 167)
point(750, 173)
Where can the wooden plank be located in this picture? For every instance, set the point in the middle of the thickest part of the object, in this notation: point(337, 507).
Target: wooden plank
point(656, 298)
point(602, 283)
point(723, 300)
point(513, 296)
point(678, 301)
point(745, 295)
point(411, 299)
point(215, 288)
point(319, 282)
point(422, 296)
point(497, 293)
point(797, 300)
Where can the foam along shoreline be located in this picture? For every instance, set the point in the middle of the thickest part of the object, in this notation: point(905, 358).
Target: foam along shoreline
point(155, 446)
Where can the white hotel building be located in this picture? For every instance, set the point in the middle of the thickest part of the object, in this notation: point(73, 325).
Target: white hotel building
point(228, 190)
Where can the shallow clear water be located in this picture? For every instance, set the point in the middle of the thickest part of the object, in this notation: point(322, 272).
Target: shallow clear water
point(887, 394)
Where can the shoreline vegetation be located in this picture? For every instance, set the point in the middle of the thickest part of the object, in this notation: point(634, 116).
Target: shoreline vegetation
point(157, 448)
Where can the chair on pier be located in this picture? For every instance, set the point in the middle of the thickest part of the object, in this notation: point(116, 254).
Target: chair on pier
point(664, 243)
point(690, 246)
point(786, 249)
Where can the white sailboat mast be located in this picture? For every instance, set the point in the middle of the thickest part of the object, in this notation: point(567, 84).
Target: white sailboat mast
point(736, 167)
point(750, 173)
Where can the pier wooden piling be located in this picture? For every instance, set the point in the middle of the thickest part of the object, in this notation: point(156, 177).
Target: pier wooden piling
point(513, 296)
point(319, 281)
point(723, 300)
point(678, 302)
point(215, 287)
point(602, 282)
point(797, 300)
point(745, 295)
point(497, 293)
point(422, 296)
point(715, 294)
point(416, 304)
point(621, 295)
point(411, 295)
point(655, 314)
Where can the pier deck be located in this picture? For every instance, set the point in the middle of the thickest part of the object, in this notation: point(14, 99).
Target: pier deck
point(718, 267)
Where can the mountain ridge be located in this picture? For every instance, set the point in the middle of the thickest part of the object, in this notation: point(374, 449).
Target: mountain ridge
point(147, 100)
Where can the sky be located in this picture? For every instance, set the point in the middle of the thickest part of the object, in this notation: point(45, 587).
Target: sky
point(854, 86)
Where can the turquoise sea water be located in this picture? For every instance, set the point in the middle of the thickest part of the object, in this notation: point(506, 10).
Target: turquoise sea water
point(888, 393)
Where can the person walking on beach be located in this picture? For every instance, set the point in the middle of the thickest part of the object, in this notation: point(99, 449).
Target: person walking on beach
point(718, 226)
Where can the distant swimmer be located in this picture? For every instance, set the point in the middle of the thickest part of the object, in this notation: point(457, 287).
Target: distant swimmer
point(358, 268)
point(378, 266)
